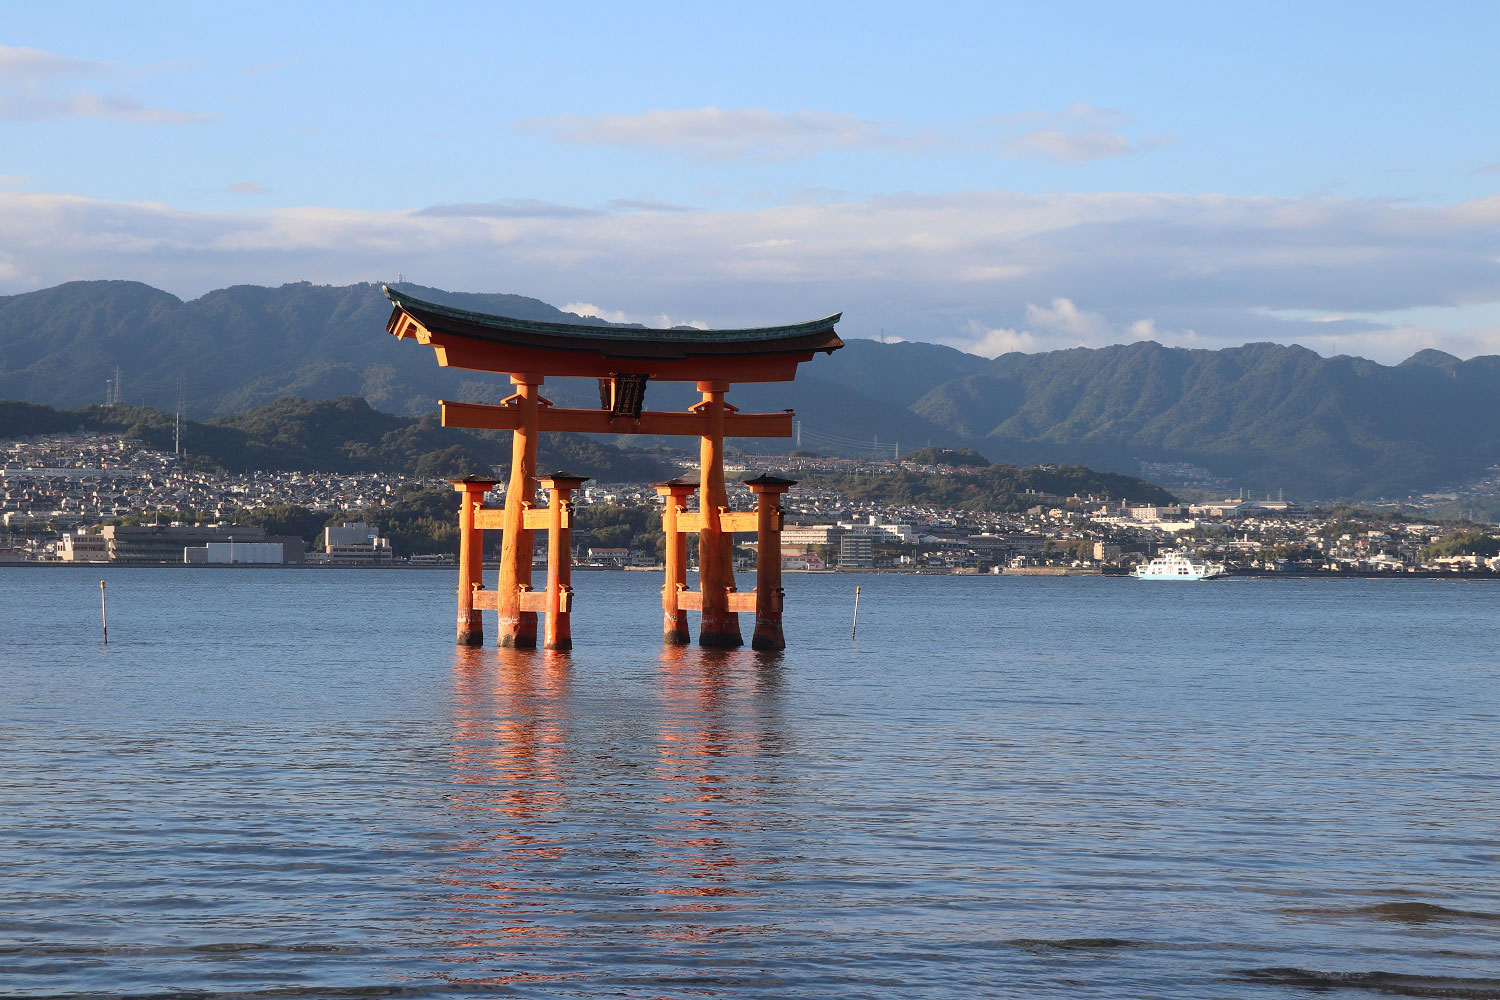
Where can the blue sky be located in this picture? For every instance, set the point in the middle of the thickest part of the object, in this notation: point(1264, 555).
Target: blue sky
point(990, 176)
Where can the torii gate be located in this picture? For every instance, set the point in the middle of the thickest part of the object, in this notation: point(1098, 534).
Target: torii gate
point(623, 359)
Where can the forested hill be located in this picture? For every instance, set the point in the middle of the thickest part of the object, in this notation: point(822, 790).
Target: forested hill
point(1262, 416)
point(334, 435)
point(232, 349)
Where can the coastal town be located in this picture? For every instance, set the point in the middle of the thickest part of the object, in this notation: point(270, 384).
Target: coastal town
point(101, 498)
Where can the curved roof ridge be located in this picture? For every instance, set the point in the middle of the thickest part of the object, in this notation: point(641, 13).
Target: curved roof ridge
point(590, 332)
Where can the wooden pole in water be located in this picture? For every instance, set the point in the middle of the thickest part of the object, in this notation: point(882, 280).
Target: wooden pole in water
point(103, 613)
point(853, 631)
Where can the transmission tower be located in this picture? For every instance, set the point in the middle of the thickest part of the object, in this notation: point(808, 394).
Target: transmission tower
point(177, 425)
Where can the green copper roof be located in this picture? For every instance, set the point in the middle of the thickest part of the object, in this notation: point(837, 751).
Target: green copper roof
point(637, 334)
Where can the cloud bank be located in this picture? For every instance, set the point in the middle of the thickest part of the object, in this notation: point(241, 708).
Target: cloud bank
point(987, 271)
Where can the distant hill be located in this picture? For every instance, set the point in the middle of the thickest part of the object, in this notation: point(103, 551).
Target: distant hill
point(1264, 416)
point(234, 348)
point(334, 435)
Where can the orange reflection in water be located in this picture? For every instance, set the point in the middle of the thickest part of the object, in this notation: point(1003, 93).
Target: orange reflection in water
point(718, 742)
point(668, 811)
point(509, 740)
point(509, 717)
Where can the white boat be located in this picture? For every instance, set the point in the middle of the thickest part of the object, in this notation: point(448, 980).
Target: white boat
point(1173, 565)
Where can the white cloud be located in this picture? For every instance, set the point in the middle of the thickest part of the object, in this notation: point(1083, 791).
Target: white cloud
point(1065, 320)
point(247, 188)
point(1075, 135)
point(1059, 325)
point(31, 89)
point(991, 342)
point(660, 321)
point(726, 133)
point(35, 107)
point(1146, 329)
point(645, 205)
point(592, 311)
point(1396, 343)
point(31, 67)
point(1068, 147)
point(510, 208)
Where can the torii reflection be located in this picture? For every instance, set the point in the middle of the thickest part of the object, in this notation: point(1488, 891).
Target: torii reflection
point(717, 750)
point(509, 736)
point(600, 815)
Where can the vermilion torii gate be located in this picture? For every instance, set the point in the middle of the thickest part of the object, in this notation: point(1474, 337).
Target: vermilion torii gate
point(624, 360)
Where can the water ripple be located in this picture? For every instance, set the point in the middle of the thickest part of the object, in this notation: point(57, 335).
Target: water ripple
point(1005, 788)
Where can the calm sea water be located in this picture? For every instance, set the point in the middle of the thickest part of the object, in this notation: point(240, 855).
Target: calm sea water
point(289, 784)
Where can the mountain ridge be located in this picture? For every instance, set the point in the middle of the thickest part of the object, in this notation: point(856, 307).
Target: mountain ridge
point(1260, 415)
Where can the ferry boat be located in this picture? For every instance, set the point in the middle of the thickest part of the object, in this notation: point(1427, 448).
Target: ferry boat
point(1173, 565)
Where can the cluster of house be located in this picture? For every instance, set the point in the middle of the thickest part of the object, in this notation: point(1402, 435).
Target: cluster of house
point(63, 480)
point(72, 483)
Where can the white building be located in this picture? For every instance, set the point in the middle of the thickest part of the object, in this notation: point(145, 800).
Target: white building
point(235, 554)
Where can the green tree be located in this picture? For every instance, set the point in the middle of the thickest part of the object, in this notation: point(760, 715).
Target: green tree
point(1469, 542)
point(286, 519)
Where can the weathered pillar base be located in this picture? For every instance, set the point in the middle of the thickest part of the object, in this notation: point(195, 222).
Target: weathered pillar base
point(674, 629)
point(720, 633)
point(470, 629)
point(519, 633)
point(768, 635)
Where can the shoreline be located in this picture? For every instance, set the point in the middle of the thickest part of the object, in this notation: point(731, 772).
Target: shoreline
point(884, 571)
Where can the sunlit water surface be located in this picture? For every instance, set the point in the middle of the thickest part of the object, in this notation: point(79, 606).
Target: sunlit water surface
point(287, 783)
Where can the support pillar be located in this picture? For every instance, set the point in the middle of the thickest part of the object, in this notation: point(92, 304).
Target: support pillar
point(768, 592)
point(518, 628)
point(717, 625)
point(470, 557)
point(674, 624)
point(560, 485)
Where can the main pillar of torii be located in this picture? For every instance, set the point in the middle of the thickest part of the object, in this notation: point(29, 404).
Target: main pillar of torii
point(623, 360)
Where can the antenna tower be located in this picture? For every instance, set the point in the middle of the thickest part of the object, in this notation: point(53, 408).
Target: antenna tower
point(177, 424)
